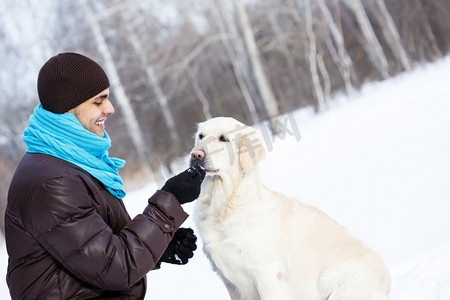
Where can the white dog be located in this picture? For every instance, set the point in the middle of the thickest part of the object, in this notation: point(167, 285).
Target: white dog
point(265, 245)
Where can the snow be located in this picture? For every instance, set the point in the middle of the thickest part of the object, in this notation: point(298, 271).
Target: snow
point(379, 163)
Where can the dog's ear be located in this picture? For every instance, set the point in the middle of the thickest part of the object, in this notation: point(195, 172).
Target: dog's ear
point(251, 149)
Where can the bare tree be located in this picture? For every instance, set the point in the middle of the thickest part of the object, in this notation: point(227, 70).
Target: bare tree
point(281, 42)
point(342, 59)
point(262, 82)
point(325, 76)
point(312, 55)
point(151, 76)
point(392, 36)
point(119, 91)
point(428, 30)
point(373, 47)
point(236, 53)
point(198, 91)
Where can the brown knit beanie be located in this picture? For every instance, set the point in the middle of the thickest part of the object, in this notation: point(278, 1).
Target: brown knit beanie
point(67, 80)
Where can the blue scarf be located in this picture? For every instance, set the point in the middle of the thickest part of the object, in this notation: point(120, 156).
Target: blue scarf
point(64, 137)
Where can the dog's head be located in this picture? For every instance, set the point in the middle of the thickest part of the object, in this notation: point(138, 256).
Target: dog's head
point(225, 146)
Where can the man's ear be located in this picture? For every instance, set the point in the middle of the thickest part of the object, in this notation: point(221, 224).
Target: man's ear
point(251, 149)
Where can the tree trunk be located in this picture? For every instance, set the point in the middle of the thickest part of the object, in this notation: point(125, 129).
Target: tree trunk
point(326, 77)
point(262, 82)
point(236, 54)
point(429, 32)
point(392, 36)
point(373, 47)
point(198, 92)
point(280, 39)
point(312, 56)
point(119, 91)
point(343, 62)
point(152, 79)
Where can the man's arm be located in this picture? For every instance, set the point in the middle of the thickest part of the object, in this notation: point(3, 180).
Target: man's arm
point(66, 224)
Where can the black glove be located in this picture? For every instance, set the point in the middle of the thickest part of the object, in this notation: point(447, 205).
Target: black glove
point(186, 185)
point(181, 247)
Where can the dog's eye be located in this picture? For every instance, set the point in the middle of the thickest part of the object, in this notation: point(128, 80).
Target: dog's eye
point(223, 139)
point(200, 136)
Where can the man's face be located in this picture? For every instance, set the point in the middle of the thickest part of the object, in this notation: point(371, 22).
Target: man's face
point(93, 112)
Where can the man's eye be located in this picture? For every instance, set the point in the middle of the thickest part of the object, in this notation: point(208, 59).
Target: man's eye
point(223, 139)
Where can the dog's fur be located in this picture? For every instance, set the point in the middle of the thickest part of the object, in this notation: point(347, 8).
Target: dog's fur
point(265, 245)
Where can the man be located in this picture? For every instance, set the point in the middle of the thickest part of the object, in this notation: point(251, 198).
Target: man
point(68, 234)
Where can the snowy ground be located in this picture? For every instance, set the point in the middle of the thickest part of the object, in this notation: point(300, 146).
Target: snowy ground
point(379, 164)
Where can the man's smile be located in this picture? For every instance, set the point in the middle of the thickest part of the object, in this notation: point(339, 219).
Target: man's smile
point(101, 123)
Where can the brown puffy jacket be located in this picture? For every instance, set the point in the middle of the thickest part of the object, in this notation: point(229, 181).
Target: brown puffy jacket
point(68, 238)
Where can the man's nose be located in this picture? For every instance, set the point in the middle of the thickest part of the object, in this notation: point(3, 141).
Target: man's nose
point(109, 108)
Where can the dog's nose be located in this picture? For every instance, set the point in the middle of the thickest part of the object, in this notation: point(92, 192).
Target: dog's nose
point(198, 154)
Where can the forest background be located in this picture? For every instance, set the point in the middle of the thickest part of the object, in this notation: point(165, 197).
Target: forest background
point(173, 63)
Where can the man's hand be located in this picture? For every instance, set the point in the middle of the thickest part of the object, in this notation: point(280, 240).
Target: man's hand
point(181, 248)
point(186, 185)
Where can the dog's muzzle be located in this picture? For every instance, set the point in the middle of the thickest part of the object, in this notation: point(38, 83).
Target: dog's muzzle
point(198, 157)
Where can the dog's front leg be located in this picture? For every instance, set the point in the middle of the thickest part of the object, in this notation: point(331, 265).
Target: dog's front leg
point(231, 288)
point(232, 291)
